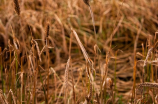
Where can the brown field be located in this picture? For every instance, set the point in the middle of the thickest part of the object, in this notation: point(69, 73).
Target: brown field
point(78, 52)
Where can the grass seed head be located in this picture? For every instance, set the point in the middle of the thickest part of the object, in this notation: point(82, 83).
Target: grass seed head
point(86, 2)
point(47, 30)
point(17, 7)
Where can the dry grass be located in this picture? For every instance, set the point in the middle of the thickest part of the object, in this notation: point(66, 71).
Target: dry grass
point(57, 51)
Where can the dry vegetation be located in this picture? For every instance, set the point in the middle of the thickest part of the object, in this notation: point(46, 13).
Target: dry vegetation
point(78, 51)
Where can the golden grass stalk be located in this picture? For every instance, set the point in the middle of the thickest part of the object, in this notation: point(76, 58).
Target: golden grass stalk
point(104, 78)
point(67, 72)
point(97, 52)
point(47, 33)
point(86, 56)
point(2, 98)
point(148, 84)
point(38, 50)
point(88, 98)
point(97, 98)
point(93, 23)
point(47, 30)
point(48, 61)
point(73, 87)
point(156, 99)
point(135, 63)
point(15, 40)
point(17, 7)
point(92, 16)
point(13, 97)
point(89, 65)
point(66, 79)
point(139, 88)
point(152, 96)
point(145, 61)
point(31, 62)
point(22, 80)
point(148, 54)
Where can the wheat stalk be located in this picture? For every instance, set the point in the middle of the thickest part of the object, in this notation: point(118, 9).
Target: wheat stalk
point(38, 50)
point(148, 54)
point(86, 56)
point(17, 7)
point(88, 98)
point(47, 33)
point(67, 73)
point(47, 30)
point(13, 97)
point(146, 84)
point(145, 61)
point(66, 79)
point(2, 98)
point(86, 2)
point(92, 16)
